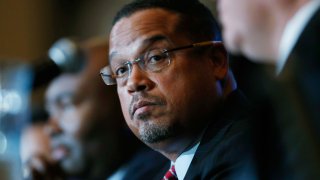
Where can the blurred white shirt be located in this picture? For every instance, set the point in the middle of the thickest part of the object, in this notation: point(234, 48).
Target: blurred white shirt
point(293, 31)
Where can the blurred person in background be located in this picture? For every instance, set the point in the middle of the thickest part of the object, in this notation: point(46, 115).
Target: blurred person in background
point(88, 136)
point(285, 34)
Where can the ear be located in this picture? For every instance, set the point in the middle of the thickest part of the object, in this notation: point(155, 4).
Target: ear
point(219, 57)
point(229, 84)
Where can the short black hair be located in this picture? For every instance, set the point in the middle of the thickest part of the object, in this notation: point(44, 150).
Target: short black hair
point(195, 18)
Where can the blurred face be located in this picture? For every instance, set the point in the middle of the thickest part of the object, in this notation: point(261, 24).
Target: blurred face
point(83, 124)
point(170, 104)
point(65, 124)
point(246, 27)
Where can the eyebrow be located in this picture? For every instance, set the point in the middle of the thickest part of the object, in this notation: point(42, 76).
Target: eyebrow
point(145, 43)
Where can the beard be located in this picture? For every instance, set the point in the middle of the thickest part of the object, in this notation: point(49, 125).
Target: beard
point(74, 159)
point(153, 132)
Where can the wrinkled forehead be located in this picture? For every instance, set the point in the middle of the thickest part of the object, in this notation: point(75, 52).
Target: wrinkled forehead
point(129, 34)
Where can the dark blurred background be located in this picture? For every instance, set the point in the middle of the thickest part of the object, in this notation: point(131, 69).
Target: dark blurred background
point(28, 28)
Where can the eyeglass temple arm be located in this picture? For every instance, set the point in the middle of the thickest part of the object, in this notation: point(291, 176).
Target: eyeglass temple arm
point(206, 43)
point(109, 75)
point(201, 44)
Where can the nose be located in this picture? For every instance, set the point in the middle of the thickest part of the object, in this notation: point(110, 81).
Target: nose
point(138, 80)
point(53, 128)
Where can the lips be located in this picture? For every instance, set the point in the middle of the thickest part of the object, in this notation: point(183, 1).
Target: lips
point(60, 152)
point(141, 104)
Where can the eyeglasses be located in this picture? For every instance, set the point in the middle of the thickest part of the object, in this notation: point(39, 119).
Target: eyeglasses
point(152, 61)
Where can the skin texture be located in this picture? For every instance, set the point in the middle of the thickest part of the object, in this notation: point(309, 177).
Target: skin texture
point(245, 25)
point(172, 106)
point(254, 27)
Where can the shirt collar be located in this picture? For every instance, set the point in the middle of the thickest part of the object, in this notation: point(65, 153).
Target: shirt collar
point(293, 30)
point(184, 160)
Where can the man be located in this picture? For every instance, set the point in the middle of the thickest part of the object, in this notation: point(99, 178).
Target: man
point(171, 93)
point(285, 34)
point(87, 135)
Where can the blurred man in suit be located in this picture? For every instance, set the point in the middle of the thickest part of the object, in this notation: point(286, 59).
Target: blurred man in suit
point(284, 33)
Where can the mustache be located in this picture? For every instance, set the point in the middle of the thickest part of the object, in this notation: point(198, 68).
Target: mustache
point(146, 98)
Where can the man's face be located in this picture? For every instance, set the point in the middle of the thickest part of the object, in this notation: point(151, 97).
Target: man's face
point(83, 123)
point(175, 101)
point(246, 27)
point(65, 123)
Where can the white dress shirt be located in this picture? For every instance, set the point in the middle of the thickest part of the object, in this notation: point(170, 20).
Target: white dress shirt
point(293, 30)
point(183, 162)
point(119, 174)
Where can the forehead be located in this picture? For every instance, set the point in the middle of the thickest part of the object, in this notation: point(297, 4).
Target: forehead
point(130, 33)
point(65, 84)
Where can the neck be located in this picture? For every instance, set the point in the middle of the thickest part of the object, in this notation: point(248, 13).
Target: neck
point(189, 134)
point(174, 147)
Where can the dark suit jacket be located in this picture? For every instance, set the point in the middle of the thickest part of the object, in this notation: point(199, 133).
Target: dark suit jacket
point(289, 134)
point(298, 101)
point(224, 151)
point(146, 164)
point(301, 74)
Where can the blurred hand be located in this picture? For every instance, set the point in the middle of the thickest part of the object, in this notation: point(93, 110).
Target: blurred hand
point(41, 168)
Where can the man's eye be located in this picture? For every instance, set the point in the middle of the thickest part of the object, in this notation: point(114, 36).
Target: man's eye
point(120, 71)
point(66, 103)
point(156, 58)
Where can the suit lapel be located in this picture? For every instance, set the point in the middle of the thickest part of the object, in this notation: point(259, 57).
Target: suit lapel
point(215, 133)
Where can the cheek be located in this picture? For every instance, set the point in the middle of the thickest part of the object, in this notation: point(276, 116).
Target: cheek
point(178, 90)
point(70, 121)
point(125, 99)
point(229, 11)
point(237, 15)
point(124, 102)
point(192, 86)
point(241, 20)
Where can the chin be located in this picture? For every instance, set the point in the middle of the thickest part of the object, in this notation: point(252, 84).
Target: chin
point(153, 133)
point(73, 167)
point(256, 56)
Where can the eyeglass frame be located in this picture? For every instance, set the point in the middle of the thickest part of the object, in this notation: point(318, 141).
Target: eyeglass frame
point(137, 60)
